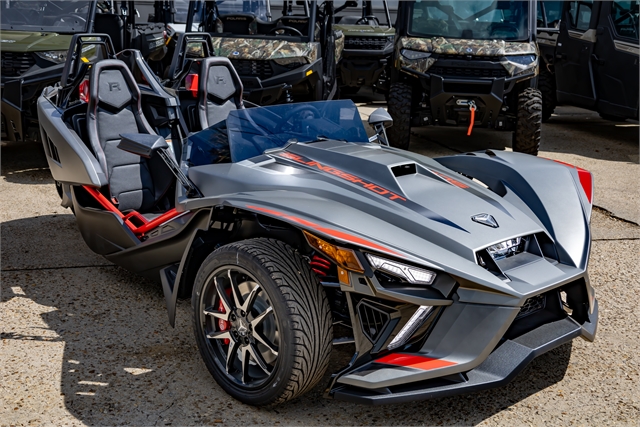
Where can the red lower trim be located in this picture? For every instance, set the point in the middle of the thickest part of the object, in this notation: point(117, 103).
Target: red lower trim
point(138, 230)
point(414, 361)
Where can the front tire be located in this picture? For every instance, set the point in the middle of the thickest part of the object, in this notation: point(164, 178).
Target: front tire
point(262, 321)
point(400, 111)
point(547, 86)
point(526, 138)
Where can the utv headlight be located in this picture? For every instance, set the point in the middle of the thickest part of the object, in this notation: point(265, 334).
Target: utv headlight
point(414, 54)
point(410, 273)
point(290, 62)
point(57, 56)
point(522, 64)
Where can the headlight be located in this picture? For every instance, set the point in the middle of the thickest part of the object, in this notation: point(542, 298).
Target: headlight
point(57, 56)
point(391, 39)
point(410, 273)
point(414, 54)
point(521, 64)
point(506, 249)
point(290, 62)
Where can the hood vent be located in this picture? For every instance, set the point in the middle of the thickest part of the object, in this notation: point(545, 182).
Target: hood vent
point(402, 170)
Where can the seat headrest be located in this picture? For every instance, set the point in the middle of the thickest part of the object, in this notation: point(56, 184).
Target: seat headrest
point(111, 83)
point(220, 78)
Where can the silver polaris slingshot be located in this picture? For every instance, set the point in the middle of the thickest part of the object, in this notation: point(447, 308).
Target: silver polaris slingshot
point(291, 231)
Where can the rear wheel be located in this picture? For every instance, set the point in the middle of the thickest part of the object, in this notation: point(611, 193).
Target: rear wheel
point(547, 86)
point(400, 111)
point(262, 321)
point(526, 138)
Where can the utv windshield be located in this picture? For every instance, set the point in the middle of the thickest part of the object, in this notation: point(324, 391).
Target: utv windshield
point(66, 16)
point(249, 133)
point(480, 20)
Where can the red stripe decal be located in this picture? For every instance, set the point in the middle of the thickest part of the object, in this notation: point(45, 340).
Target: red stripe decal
point(450, 180)
point(328, 231)
point(414, 361)
point(586, 180)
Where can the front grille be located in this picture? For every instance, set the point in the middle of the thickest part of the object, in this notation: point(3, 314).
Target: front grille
point(532, 305)
point(372, 319)
point(252, 68)
point(365, 43)
point(470, 57)
point(15, 64)
point(467, 72)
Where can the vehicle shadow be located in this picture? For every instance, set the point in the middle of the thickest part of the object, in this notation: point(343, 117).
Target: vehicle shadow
point(121, 362)
point(24, 163)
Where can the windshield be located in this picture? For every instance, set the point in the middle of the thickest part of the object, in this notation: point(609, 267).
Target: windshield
point(55, 16)
point(480, 20)
point(249, 132)
point(374, 13)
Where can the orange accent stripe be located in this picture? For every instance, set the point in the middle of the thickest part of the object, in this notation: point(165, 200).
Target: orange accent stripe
point(414, 361)
point(328, 231)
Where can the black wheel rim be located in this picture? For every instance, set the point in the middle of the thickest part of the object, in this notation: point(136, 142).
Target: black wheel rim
point(240, 326)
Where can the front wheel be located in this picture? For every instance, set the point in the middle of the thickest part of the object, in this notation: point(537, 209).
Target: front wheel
point(526, 138)
point(547, 86)
point(400, 111)
point(262, 321)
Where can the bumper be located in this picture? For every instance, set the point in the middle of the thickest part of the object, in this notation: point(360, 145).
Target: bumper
point(270, 91)
point(19, 96)
point(498, 369)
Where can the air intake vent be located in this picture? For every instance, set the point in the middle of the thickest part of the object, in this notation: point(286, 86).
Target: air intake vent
point(402, 170)
point(365, 43)
point(251, 68)
point(53, 150)
point(373, 320)
point(532, 305)
point(15, 64)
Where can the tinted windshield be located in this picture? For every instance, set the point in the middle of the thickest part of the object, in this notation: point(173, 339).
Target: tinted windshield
point(248, 133)
point(373, 13)
point(483, 20)
point(55, 16)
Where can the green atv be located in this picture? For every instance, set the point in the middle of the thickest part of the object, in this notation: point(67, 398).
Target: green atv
point(282, 55)
point(466, 63)
point(35, 40)
point(368, 46)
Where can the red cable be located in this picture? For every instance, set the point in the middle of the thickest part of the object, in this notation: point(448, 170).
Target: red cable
point(471, 120)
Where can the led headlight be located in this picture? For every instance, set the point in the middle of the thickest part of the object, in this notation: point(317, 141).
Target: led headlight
point(522, 64)
point(410, 273)
point(505, 249)
point(411, 326)
point(57, 56)
point(290, 62)
point(414, 54)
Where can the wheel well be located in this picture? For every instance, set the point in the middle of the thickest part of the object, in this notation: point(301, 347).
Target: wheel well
point(229, 225)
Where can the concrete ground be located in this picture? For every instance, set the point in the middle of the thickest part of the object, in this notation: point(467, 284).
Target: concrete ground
point(86, 343)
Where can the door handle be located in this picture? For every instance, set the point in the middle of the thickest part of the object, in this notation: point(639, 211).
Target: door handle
point(596, 59)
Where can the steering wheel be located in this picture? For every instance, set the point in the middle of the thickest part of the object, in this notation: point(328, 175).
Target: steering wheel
point(295, 31)
point(365, 20)
point(299, 110)
point(71, 17)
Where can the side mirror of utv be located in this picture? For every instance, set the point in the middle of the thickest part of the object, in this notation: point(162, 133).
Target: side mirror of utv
point(144, 145)
point(379, 120)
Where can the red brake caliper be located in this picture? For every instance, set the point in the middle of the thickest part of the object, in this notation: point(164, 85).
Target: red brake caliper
point(223, 325)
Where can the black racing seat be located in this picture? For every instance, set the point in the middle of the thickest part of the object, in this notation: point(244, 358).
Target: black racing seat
point(348, 20)
point(114, 108)
point(239, 23)
point(219, 91)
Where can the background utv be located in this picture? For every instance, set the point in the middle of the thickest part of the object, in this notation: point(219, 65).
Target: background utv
point(466, 63)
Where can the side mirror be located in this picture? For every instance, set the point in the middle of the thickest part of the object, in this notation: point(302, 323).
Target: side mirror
point(379, 120)
point(142, 144)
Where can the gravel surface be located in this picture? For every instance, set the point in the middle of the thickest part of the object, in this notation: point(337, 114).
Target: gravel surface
point(87, 343)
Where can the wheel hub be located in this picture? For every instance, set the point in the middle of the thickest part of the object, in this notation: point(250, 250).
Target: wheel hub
point(241, 328)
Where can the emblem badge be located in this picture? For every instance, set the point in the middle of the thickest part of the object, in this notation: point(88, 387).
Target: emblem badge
point(236, 53)
point(485, 219)
point(469, 50)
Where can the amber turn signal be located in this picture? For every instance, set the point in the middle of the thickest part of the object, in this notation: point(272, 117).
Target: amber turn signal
point(345, 258)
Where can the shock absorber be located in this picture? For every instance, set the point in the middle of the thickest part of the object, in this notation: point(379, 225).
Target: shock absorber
point(320, 266)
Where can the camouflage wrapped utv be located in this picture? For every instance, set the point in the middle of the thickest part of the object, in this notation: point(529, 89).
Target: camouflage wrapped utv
point(466, 63)
point(368, 46)
point(291, 58)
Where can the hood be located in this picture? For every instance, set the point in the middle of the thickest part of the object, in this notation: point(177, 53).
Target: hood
point(264, 49)
point(22, 41)
point(394, 202)
point(441, 45)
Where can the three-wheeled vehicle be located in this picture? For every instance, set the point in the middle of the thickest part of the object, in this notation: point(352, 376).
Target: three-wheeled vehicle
point(591, 57)
point(466, 63)
point(35, 40)
point(447, 275)
point(281, 56)
point(368, 45)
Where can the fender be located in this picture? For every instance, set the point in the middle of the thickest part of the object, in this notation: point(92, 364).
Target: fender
point(552, 191)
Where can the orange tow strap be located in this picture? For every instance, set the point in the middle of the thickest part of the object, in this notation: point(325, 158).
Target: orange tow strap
point(472, 108)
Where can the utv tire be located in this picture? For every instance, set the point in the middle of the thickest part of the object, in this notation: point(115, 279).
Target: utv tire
point(262, 321)
point(399, 108)
point(526, 138)
point(547, 86)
